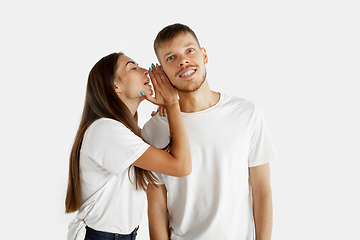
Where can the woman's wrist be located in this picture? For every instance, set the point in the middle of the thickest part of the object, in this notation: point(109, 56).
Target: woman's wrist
point(173, 104)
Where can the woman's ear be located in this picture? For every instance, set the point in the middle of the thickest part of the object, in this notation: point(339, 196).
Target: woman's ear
point(118, 85)
point(205, 55)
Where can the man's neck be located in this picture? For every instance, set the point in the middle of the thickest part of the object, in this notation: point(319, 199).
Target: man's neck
point(199, 100)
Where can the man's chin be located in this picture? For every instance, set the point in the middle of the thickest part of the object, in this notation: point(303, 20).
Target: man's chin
point(190, 89)
point(193, 87)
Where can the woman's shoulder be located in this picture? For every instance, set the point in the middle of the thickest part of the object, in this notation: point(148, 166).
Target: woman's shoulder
point(106, 126)
point(106, 123)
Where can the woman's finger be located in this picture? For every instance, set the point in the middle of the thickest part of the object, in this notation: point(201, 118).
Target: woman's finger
point(163, 77)
point(164, 91)
point(149, 98)
point(162, 112)
point(154, 113)
point(158, 77)
point(153, 78)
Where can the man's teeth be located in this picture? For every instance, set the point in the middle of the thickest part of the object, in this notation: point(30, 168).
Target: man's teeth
point(187, 73)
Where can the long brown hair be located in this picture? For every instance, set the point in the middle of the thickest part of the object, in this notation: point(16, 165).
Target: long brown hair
point(101, 101)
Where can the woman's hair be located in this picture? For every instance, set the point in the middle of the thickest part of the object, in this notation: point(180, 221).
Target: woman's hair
point(101, 101)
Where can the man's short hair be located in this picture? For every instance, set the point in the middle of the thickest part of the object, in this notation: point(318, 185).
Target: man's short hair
point(169, 32)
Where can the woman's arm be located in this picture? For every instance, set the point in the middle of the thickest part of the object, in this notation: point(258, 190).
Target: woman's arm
point(177, 162)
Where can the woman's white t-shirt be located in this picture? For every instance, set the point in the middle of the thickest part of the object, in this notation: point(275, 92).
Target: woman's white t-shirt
point(110, 201)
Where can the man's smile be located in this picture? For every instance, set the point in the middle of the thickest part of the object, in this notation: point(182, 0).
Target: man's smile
point(188, 73)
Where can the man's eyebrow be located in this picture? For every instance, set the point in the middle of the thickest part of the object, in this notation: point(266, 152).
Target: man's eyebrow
point(169, 53)
point(185, 46)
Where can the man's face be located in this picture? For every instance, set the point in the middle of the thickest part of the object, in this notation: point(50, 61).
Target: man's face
point(183, 62)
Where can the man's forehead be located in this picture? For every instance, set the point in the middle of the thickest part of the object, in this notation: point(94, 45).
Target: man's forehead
point(181, 40)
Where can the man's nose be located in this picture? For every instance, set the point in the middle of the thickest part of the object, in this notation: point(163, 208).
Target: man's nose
point(183, 61)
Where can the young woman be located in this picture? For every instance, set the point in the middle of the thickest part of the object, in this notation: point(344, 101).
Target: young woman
point(110, 163)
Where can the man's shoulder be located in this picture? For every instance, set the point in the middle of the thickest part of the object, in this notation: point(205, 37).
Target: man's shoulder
point(238, 102)
point(156, 124)
point(156, 131)
point(155, 121)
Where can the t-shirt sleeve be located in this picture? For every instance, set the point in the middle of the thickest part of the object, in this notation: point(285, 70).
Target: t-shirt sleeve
point(112, 145)
point(156, 132)
point(158, 140)
point(262, 149)
point(159, 176)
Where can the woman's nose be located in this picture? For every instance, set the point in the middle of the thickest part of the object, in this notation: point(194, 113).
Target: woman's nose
point(146, 72)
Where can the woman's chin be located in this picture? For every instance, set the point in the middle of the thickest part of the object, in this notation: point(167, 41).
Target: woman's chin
point(150, 92)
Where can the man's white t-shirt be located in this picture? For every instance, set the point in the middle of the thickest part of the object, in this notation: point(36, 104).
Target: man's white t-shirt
point(214, 201)
point(110, 201)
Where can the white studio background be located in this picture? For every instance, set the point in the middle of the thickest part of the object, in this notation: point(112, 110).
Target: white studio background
point(298, 60)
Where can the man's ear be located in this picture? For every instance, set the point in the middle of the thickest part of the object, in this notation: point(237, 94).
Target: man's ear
point(118, 86)
point(205, 55)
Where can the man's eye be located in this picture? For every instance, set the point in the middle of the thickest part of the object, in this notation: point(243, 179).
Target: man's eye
point(170, 58)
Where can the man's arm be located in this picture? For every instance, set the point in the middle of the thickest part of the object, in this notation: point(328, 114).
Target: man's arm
point(262, 201)
point(157, 212)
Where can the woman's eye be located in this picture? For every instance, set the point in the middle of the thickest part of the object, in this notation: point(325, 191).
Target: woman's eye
point(170, 58)
point(190, 50)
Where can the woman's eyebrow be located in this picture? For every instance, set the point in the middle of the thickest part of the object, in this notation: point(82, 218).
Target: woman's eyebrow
point(131, 62)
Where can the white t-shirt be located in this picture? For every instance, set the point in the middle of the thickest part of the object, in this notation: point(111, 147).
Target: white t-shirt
point(214, 201)
point(111, 202)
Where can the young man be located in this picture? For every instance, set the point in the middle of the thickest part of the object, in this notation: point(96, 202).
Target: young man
point(228, 193)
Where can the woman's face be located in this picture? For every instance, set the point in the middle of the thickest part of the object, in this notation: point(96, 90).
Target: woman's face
point(131, 80)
